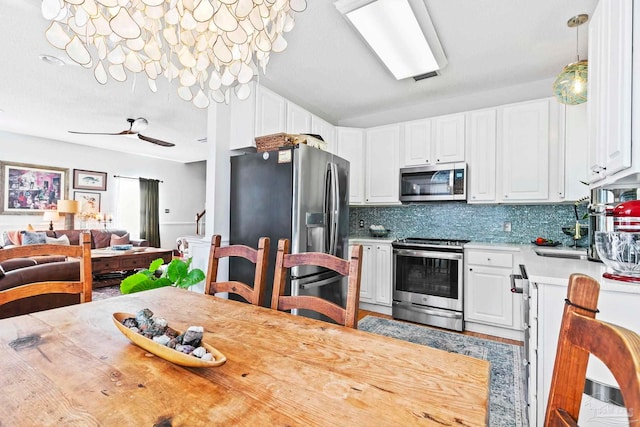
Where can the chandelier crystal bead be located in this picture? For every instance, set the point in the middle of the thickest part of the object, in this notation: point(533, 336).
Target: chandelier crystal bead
point(211, 47)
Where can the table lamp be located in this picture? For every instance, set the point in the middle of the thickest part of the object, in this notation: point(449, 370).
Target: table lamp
point(51, 216)
point(69, 208)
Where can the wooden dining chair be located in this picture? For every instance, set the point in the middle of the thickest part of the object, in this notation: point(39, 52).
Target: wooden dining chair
point(259, 257)
point(352, 268)
point(580, 335)
point(82, 287)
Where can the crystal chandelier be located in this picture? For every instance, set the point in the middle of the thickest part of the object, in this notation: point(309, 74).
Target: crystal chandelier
point(570, 86)
point(209, 46)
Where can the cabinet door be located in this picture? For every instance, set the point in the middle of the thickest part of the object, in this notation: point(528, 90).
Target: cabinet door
point(524, 143)
point(367, 277)
point(575, 170)
point(449, 138)
point(298, 119)
point(351, 147)
point(381, 166)
point(383, 279)
point(242, 121)
point(481, 155)
point(327, 131)
point(271, 112)
point(417, 143)
point(488, 297)
point(618, 26)
point(610, 91)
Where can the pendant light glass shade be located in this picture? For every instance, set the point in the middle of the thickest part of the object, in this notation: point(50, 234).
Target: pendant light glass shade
point(570, 86)
point(209, 46)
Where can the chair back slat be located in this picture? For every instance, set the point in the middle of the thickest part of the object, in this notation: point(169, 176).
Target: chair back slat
point(252, 294)
point(351, 268)
point(581, 334)
point(82, 287)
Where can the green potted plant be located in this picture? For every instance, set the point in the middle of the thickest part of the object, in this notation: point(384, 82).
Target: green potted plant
point(176, 274)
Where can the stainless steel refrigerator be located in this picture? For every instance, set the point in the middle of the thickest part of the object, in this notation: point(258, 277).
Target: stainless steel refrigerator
point(301, 194)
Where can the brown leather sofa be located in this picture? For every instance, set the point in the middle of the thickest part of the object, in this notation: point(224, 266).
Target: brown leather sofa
point(99, 238)
point(19, 271)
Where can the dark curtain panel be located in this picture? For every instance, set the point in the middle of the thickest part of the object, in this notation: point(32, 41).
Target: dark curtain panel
point(149, 211)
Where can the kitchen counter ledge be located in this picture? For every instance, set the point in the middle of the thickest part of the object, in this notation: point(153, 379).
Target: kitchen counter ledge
point(556, 271)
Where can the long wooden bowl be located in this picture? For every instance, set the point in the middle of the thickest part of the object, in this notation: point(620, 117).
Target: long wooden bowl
point(165, 352)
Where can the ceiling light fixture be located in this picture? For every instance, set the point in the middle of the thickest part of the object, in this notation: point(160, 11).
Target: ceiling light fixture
point(570, 86)
point(400, 32)
point(209, 46)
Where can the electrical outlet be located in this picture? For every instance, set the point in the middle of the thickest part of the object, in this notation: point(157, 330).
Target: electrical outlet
point(362, 223)
point(507, 226)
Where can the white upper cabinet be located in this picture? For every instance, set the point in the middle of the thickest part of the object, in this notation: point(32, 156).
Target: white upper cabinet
point(610, 89)
point(523, 142)
point(327, 131)
point(352, 148)
point(382, 183)
point(271, 112)
point(298, 119)
point(437, 140)
point(417, 143)
point(481, 156)
point(573, 167)
point(449, 138)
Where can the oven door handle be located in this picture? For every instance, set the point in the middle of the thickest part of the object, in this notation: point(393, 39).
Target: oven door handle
point(439, 313)
point(427, 254)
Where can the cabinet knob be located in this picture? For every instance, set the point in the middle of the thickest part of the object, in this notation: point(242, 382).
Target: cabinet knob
point(473, 197)
point(426, 161)
point(471, 269)
point(437, 160)
point(488, 259)
point(506, 196)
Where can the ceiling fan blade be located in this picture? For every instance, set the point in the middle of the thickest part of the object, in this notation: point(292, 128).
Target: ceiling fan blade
point(124, 132)
point(156, 141)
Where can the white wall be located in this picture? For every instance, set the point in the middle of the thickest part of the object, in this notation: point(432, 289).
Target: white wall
point(183, 190)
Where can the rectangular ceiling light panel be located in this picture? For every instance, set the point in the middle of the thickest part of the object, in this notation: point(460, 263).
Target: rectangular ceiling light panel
point(392, 31)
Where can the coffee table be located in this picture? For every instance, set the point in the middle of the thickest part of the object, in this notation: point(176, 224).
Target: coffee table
point(104, 261)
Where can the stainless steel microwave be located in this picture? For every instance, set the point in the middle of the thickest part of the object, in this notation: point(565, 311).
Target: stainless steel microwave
point(445, 181)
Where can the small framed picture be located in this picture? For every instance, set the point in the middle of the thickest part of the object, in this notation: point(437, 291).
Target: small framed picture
point(89, 180)
point(89, 202)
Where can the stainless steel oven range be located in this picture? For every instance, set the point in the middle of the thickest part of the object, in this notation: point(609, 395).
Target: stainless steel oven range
point(427, 281)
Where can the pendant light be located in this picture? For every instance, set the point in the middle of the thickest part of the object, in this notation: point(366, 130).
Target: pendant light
point(570, 86)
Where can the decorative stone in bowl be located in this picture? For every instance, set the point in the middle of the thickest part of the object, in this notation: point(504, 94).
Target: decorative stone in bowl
point(170, 344)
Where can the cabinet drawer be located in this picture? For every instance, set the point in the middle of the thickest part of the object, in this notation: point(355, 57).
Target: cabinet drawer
point(491, 259)
point(104, 265)
point(135, 262)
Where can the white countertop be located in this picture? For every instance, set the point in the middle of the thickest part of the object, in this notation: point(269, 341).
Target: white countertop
point(556, 271)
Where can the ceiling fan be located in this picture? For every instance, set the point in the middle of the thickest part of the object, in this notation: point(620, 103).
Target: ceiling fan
point(135, 127)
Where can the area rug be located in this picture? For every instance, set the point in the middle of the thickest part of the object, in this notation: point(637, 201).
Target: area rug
point(506, 397)
point(105, 292)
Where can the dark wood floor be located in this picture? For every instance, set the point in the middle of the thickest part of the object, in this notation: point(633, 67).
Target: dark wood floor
point(363, 313)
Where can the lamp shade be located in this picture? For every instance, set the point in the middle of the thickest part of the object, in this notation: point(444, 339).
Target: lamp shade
point(68, 206)
point(570, 86)
point(51, 215)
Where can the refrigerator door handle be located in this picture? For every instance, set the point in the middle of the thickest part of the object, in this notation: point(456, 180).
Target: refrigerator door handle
point(311, 285)
point(336, 211)
point(328, 209)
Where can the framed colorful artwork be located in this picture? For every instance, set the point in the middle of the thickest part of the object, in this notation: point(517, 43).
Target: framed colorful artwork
point(89, 202)
point(31, 189)
point(89, 180)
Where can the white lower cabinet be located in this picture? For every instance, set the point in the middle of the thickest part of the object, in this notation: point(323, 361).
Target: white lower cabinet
point(376, 284)
point(489, 305)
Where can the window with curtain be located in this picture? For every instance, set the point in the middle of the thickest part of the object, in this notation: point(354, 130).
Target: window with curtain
point(128, 206)
point(150, 211)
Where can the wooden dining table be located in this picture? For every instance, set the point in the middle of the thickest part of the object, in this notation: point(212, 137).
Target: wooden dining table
point(72, 366)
